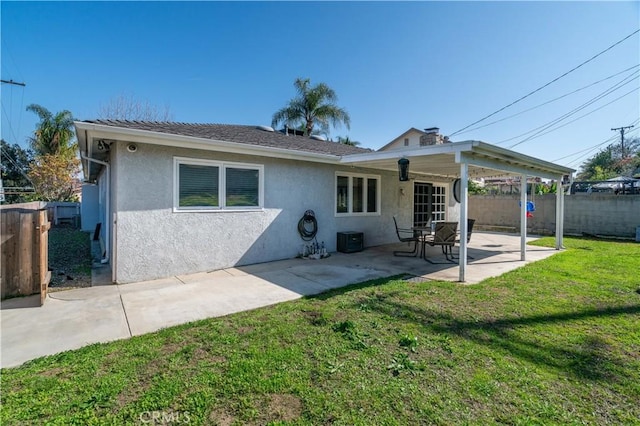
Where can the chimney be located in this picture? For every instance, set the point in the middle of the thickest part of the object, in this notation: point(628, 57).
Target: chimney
point(432, 137)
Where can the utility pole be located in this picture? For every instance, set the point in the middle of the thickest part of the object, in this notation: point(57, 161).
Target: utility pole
point(13, 82)
point(622, 129)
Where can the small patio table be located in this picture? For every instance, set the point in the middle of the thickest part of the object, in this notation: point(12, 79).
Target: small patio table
point(425, 231)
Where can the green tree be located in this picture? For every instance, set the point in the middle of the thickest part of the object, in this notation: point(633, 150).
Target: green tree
point(54, 133)
point(610, 162)
point(313, 106)
point(55, 166)
point(347, 141)
point(474, 188)
point(15, 166)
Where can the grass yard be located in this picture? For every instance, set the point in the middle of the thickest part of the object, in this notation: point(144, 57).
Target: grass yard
point(555, 342)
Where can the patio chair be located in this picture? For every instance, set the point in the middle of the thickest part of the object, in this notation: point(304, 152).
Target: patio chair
point(445, 237)
point(407, 236)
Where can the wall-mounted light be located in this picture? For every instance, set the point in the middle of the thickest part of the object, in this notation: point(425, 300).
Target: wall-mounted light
point(403, 169)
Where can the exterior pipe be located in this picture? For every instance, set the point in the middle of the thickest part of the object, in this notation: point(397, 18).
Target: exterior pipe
point(107, 202)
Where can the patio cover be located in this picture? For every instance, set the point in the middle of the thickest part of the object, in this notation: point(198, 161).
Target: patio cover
point(471, 159)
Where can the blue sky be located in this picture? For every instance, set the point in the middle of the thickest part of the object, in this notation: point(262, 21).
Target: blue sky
point(393, 65)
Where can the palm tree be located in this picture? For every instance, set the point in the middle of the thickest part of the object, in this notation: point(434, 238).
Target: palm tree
point(313, 105)
point(54, 133)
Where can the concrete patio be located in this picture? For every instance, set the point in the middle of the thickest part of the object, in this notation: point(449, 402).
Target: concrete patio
point(75, 318)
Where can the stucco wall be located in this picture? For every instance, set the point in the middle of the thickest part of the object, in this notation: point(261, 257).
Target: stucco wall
point(153, 241)
point(597, 214)
point(89, 208)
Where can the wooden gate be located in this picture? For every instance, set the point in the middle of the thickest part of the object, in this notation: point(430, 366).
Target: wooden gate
point(24, 255)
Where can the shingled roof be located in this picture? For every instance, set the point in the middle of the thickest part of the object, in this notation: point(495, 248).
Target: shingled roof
point(250, 135)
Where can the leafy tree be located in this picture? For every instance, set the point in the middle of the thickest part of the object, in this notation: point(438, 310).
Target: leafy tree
point(127, 107)
point(313, 105)
point(53, 177)
point(54, 133)
point(474, 188)
point(347, 141)
point(610, 162)
point(15, 166)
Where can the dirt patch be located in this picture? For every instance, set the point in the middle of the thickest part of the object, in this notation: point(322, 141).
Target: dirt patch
point(221, 418)
point(53, 372)
point(282, 407)
point(316, 318)
point(245, 330)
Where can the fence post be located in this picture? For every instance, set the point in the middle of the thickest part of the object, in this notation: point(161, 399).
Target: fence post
point(41, 273)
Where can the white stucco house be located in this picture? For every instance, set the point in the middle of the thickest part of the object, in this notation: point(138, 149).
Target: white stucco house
point(179, 198)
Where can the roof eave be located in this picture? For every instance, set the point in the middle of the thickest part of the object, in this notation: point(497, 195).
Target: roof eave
point(169, 139)
point(522, 158)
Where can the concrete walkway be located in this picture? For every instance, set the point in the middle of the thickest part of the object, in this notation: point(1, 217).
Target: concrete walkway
point(75, 318)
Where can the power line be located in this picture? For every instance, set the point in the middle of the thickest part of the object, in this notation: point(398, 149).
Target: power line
point(541, 133)
point(599, 144)
point(601, 95)
point(550, 101)
point(547, 84)
point(18, 168)
point(590, 150)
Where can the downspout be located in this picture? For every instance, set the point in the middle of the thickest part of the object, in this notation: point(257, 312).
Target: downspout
point(107, 205)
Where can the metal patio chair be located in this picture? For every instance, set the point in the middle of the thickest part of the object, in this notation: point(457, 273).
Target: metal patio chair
point(445, 237)
point(409, 236)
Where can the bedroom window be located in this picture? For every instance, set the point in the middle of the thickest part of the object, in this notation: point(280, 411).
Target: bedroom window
point(204, 185)
point(357, 194)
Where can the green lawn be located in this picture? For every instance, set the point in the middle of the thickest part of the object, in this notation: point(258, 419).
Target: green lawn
point(555, 342)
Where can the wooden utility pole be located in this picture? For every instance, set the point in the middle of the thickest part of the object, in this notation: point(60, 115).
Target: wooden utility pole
point(12, 82)
point(622, 129)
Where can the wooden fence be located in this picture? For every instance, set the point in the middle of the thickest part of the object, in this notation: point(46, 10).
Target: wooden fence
point(24, 254)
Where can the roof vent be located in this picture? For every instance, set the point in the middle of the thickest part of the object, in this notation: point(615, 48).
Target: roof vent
point(265, 128)
point(318, 137)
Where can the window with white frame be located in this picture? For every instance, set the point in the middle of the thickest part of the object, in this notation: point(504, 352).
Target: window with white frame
point(213, 185)
point(439, 203)
point(406, 141)
point(357, 194)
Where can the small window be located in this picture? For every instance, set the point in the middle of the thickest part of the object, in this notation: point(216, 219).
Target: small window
point(202, 185)
point(357, 194)
point(372, 195)
point(439, 204)
point(242, 187)
point(198, 185)
point(406, 141)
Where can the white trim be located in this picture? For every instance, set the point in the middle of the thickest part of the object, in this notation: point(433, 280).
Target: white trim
point(222, 187)
point(100, 131)
point(365, 178)
point(464, 214)
point(523, 217)
point(444, 204)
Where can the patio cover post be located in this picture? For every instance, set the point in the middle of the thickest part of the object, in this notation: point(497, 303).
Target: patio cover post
point(559, 214)
point(464, 198)
point(523, 217)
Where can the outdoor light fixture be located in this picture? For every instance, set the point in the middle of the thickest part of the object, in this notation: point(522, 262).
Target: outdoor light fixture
point(403, 169)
